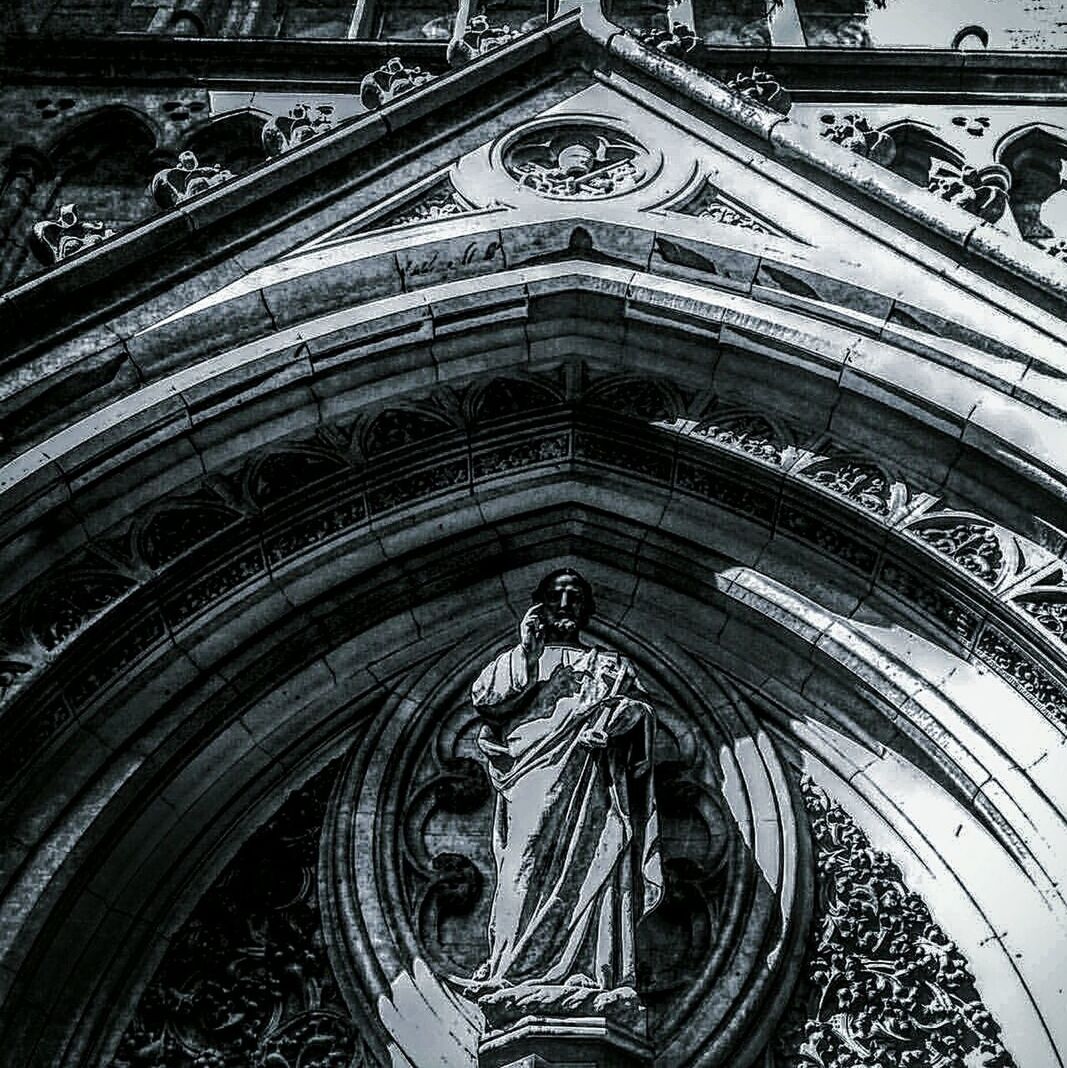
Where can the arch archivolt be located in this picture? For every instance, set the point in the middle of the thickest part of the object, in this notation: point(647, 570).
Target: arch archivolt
point(257, 547)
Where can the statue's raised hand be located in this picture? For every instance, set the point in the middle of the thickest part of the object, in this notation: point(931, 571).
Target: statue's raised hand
point(532, 634)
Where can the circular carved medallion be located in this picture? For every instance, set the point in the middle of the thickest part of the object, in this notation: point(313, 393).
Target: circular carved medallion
point(577, 161)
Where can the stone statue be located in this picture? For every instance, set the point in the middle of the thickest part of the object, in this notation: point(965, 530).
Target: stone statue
point(568, 737)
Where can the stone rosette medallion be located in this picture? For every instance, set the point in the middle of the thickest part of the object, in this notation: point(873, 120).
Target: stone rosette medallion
point(407, 878)
point(577, 159)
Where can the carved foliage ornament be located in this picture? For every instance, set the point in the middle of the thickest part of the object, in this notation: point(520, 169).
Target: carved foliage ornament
point(974, 546)
point(709, 203)
point(761, 88)
point(980, 191)
point(246, 980)
point(856, 134)
point(175, 185)
point(857, 479)
point(438, 202)
point(746, 431)
point(883, 985)
point(304, 121)
point(54, 241)
point(577, 161)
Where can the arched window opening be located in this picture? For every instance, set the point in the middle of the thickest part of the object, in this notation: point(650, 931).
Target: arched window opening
point(918, 150)
point(232, 141)
point(1038, 197)
point(104, 167)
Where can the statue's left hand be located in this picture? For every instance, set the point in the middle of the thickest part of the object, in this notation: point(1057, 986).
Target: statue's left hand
point(592, 738)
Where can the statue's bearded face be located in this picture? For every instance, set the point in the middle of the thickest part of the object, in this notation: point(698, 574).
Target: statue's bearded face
point(564, 606)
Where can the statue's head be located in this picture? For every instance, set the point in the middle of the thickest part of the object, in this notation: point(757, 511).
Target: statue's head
point(568, 602)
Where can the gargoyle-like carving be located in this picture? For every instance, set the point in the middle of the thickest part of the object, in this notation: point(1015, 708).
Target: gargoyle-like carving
point(175, 185)
point(677, 41)
point(761, 88)
point(855, 133)
point(54, 240)
point(980, 191)
point(481, 37)
point(884, 984)
point(303, 122)
point(389, 81)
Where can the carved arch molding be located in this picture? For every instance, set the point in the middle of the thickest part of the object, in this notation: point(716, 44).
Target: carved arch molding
point(381, 894)
point(336, 935)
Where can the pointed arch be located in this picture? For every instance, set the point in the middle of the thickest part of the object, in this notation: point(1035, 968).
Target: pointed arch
point(1036, 156)
point(232, 140)
point(918, 146)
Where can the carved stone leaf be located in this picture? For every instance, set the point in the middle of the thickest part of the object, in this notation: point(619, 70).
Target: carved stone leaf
point(972, 545)
point(882, 985)
point(710, 203)
point(438, 202)
point(854, 478)
point(748, 432)
point(246, 980)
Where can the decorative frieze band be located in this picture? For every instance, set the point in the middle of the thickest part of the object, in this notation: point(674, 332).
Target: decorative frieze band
point(994, 593)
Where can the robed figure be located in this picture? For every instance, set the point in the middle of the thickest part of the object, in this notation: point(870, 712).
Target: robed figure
point(568, 738)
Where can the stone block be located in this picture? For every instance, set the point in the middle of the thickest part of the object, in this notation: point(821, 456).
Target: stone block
point(590, 1042)
point(183, 339)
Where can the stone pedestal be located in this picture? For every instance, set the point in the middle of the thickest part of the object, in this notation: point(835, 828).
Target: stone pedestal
point(551, 1042)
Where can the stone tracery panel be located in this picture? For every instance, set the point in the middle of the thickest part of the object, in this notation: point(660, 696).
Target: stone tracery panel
point(325, 488)
point(246, 980)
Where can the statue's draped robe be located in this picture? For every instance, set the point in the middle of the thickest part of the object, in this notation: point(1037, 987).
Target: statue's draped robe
point(575, 834)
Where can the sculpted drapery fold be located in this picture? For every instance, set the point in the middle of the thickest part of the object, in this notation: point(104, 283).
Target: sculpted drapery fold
point(568, 741)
